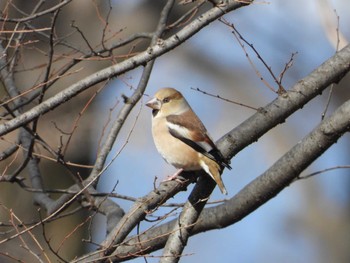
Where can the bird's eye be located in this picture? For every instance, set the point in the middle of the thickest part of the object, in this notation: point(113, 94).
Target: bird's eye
point(166, 100)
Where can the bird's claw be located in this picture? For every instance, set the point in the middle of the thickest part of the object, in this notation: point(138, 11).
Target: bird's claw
point(174, 176)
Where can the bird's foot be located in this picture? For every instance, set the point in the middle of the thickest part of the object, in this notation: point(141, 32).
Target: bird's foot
point(174, 176)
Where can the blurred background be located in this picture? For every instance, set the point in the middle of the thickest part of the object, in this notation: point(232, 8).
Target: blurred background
point(308, 222)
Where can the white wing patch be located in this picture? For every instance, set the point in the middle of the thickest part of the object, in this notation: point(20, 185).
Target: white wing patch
point(185, 133)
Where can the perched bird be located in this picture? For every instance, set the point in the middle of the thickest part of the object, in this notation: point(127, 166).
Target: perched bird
point(181, 138)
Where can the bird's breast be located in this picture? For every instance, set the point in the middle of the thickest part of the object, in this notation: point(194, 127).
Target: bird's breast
point(174, 151)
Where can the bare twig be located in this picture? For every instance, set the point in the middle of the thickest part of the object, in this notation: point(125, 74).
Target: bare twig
point(224, 99)
point(330, 93)
point(288, 65)
point(240, 38)
point(322, 171)
point(14, 218)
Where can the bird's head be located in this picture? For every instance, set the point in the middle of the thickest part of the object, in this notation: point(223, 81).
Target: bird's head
point(168, 101)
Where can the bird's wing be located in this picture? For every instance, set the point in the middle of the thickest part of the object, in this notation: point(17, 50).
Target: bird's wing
point(188, 128)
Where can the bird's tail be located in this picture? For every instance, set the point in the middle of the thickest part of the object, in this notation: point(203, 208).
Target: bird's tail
point(213, 169)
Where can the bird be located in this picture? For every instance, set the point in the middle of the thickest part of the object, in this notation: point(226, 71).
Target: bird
point(181, 138)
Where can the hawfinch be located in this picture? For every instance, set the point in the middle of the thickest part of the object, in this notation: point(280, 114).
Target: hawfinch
point(182, 139)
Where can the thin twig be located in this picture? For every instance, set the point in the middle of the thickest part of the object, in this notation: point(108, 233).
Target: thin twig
point(224, 99)
point(330, 93)
point(301, 177)
point(240, 38)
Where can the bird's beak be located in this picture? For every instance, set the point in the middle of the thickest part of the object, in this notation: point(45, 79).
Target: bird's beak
point(154, 104)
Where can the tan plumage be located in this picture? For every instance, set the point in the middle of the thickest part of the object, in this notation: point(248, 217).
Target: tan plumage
point(181, 138)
